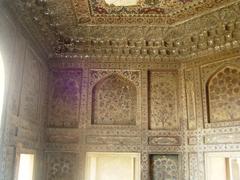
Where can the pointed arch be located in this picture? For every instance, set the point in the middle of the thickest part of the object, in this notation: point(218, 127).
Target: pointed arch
point(114, 101)
point(223, 95)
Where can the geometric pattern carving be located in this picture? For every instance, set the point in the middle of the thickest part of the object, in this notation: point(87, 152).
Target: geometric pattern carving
point(163, 100)
point(164, 167)
point(113, 140)
point(193, 166)
point(61, 166)
point(64, 98)
point(223, 90)
point(114, 101)
point(222, 139)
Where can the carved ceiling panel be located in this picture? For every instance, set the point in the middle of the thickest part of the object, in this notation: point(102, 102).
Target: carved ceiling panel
point(168, 11)
point(151, 28)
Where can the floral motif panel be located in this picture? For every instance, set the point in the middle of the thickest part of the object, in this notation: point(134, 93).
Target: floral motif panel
point(164, 167)
point(223, 90)
point(61, 166)
point(114, 101)
point(163, 100)
point(64, 98)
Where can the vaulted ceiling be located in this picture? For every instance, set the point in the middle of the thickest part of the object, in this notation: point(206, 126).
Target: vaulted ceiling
point(148, 28)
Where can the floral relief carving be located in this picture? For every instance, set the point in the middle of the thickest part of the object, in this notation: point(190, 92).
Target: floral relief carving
point(163, 100)
point(61, 166)
point(164, 167)
point(164, 141)
point(223, 91)
point(98, 74)
point(114, 101)
point(65, 98)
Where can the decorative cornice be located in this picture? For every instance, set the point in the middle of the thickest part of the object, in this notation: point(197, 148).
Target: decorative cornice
point(64, 36)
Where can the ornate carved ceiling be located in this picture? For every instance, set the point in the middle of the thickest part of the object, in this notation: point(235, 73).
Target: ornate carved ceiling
point(152, 28)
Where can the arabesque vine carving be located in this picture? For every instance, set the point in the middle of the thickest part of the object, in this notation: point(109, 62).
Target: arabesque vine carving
point(65, 98)
point(163, 100)
point(224, 95)
point(61, 166)
point(114, 102)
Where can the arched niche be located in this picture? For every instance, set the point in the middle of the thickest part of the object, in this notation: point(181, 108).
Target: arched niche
point(223, 95)
point(114, 101)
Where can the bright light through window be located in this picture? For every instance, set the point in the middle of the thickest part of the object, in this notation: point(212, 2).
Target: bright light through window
point(2, 79)
point(25, 171)
point(113, 166)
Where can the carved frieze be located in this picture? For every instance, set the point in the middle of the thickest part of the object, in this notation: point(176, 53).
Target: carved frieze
point(164, 141)
point(163, 100)
point(222, 139)
point(114, 140)
point(64, 98)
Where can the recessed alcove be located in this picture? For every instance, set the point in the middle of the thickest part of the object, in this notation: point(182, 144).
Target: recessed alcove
point(223, 93)
point(114, 101)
